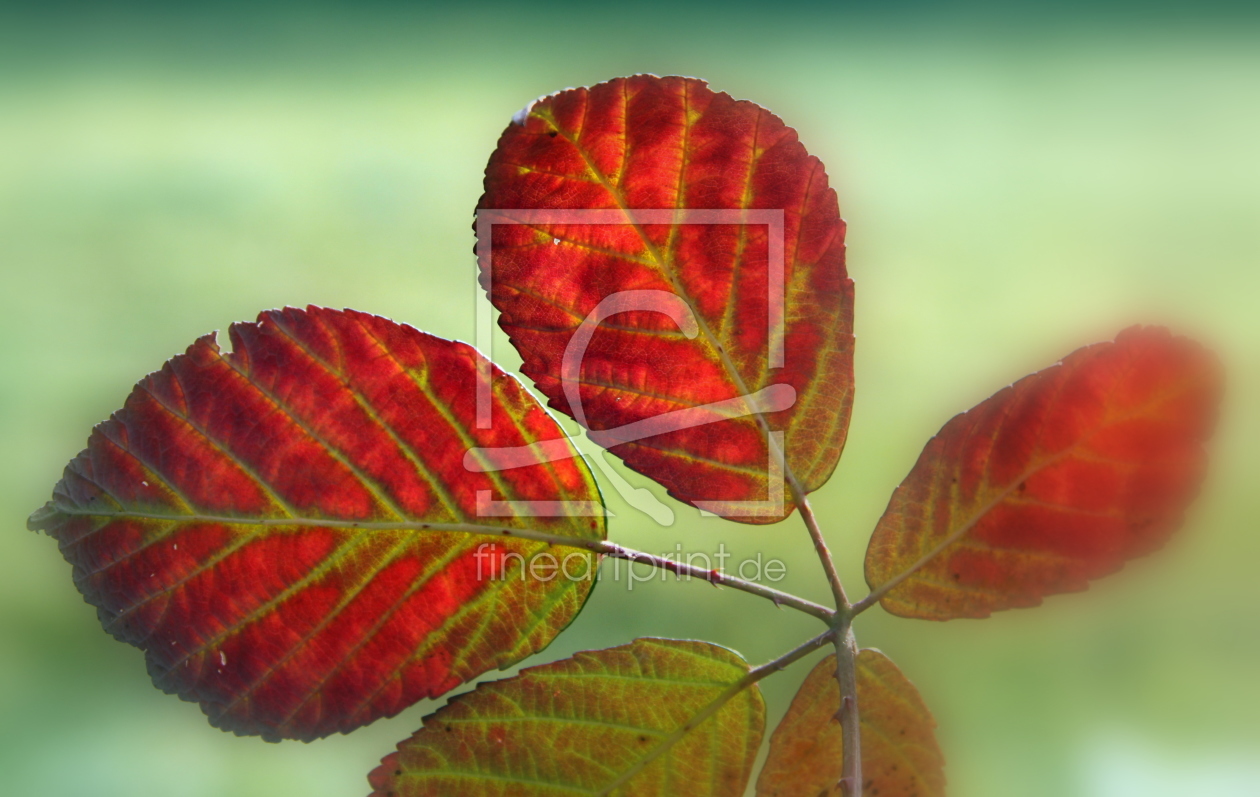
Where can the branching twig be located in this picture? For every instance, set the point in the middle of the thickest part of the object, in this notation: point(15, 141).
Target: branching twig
point(846, 652)
point(846, 648)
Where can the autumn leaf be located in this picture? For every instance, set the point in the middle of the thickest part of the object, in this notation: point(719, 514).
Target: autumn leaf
point(682, 256)
point(619, 721)
point(900, 757)
point(290, 535)
point(1055, 480)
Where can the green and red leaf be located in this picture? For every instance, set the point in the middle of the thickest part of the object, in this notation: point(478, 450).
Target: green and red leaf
point(649, 150)
point(289, 533)
point(1054, 481)
point(620, 721)
point(900, 757)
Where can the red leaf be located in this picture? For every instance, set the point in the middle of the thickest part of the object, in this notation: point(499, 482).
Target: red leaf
point(620, 721)
point(1052, 482)
point(289, 533)
point(695, 328)
point(900, 757)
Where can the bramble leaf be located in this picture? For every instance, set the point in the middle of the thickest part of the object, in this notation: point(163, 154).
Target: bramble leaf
point(900, 757)
point(618, 721)
point(674, 258)
point(290, 535)
point(1055, 480)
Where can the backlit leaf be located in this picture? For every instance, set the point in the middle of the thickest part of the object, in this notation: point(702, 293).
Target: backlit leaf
point(603, 722)
point(699, 303)
point(1055, 480)
point(289, 533)
point(900, 757)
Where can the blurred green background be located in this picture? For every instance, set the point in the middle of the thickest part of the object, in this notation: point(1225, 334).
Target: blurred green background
point(1017, 181)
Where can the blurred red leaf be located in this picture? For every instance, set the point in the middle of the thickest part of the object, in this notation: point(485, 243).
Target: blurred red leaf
point(666, 145)
point(1055, 480)
point(605, 721)
point(287, 530)
point(900, 757)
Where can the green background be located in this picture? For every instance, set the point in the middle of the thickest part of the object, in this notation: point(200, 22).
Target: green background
point(1018, 182)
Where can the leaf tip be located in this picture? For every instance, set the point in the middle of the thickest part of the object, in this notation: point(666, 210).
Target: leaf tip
point(41, 518)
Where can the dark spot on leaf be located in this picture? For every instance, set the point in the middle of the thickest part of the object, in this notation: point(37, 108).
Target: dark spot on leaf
point(551, 133)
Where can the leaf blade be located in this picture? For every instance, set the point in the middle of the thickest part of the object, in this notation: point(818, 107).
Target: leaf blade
point(641, 144)
point(595, 718)
point(1050, 483)
point(289, 534)
point(900, 757)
